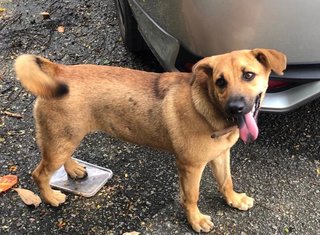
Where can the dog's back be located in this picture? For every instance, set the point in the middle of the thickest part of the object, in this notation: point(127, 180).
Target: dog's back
point(78, 99)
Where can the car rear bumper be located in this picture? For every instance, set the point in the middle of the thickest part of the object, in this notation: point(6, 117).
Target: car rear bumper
point(292, 98)
point(166, 49)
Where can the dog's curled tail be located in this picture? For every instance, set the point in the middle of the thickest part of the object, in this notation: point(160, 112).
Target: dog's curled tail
point(37, 75)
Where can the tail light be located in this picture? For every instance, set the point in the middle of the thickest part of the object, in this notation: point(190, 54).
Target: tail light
point(275, 85)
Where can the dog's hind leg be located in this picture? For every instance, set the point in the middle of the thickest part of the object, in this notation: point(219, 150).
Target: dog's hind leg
point(42, 175)
point(54, 155)
point(221, 170)
point(57, 144)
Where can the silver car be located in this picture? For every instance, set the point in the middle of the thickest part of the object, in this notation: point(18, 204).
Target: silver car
point(180, 32)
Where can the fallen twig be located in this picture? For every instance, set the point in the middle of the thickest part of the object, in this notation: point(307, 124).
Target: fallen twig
point(2, 73)
point(10, 114)
point(217, 134)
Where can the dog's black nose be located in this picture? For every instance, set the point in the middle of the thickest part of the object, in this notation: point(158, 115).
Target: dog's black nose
point(236, 105)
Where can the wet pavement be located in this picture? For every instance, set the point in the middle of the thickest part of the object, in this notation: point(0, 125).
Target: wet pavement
point(281, 170)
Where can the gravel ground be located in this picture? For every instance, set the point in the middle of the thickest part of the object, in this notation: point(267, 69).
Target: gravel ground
point(280, 170)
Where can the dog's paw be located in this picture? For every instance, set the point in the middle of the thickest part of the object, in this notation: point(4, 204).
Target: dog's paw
point(75, 170)
point(54, 197)
point(240, 201)
point(201, 223)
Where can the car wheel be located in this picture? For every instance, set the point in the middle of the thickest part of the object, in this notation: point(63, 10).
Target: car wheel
point(128, 27)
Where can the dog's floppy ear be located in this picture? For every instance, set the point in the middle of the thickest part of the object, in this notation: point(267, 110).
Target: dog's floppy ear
point(272, 59)
point(202, 70)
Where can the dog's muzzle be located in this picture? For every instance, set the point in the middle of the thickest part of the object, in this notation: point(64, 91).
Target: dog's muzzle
point(246, 119)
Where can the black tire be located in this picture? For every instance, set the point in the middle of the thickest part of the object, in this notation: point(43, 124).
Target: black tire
point(128, 27)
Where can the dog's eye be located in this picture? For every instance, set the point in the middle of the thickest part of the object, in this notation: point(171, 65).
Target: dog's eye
point(221, 83)
point(248, 76)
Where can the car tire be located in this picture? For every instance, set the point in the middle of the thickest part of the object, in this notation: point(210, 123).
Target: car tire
point(128, 27)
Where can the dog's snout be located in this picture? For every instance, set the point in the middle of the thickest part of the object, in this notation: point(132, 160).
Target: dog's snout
point(236, 105)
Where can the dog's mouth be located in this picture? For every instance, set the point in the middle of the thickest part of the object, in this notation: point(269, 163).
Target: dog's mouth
point(247, 123)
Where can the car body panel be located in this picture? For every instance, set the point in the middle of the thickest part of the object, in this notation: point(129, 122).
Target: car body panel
point(164, 46)
point(210, 27)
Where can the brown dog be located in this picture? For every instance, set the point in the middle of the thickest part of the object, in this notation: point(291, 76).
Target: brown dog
point(197, 116)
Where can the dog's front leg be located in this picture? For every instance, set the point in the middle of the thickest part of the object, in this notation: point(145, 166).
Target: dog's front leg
point(189, 179)
point(221, 169)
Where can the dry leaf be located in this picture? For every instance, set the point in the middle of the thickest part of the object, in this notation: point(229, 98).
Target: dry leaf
point(28, 197)
point(7, 181)
point(131, 233)
point(60, 29)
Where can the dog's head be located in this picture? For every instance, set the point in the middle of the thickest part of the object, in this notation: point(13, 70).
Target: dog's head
point(237, 83)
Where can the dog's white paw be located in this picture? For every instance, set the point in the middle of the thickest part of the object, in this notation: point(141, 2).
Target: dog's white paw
point(201, 223)
point(75, 170)
point(54, 197)
point(240, 201)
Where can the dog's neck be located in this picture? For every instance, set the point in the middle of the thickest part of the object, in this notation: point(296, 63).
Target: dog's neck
point(204, 105)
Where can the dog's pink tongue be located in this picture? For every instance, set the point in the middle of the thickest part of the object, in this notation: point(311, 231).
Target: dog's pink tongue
point(249, 130)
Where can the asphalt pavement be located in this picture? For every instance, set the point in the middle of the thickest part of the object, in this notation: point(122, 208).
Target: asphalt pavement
point(281, 170)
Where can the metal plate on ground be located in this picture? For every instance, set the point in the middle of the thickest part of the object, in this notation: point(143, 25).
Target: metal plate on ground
point(87, 187)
